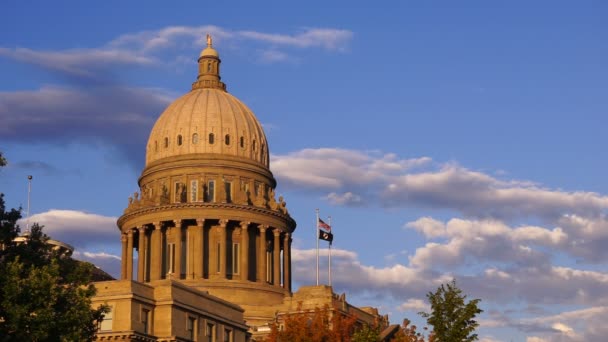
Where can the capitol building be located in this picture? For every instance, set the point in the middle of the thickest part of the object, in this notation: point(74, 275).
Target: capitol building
point(206, 243)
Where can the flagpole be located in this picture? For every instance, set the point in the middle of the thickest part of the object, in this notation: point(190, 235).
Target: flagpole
point(317, 238)
point(29, 191)
point(329, 267)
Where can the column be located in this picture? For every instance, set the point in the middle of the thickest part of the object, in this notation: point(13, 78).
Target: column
point(244, 251)
point(262, 255)
point(287, 261)
point(178, 249)
point(195, 250)
point(156, 252)
point(130, 254)
point(222, 242)
point(141, 257)
point(276, 253)
point(123, 262)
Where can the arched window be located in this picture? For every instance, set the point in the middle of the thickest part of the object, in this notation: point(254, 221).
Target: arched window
point(211, 138)
point(195, 138)
point(179, 140)
point(242, 142)
point(263, 152)
point(166, 142)
point(254, 145)
point(227, 139)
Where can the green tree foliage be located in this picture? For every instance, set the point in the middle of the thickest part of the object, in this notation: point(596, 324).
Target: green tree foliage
point(367, 333)
point(452, 318)
point(44, 296)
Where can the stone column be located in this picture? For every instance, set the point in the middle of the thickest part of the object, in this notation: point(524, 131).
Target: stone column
point(222, 241)
point(156, 252)
point(276, 253)
point(195, 250)
point(141, 254)
point(244, 251)
point(178, 249)
point(287, 262)
point(130, 255)
point(123, 262)
point(262, 255)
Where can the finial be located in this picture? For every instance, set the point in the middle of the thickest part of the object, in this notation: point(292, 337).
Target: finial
point(209, 40)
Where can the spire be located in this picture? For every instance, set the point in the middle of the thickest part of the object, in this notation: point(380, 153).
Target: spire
point(209, 68)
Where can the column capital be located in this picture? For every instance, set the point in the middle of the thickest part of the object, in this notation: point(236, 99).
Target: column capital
point(140, 229)
point(178, 222)
point(223, 222)
point(130, 231)
point(245, 224)
point(276, 232)
point(263, 228)
point(123, 237)
point(200, 222)
point(158, 225)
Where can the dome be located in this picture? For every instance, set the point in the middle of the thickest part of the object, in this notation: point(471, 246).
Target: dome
point(207, 120)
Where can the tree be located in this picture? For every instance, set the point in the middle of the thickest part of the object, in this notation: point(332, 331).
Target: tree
point(44, 295)
point(452, 319)
point(319, 325)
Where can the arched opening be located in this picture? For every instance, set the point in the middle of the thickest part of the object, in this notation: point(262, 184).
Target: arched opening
point(179, 140)
point(166, 142)
point(242, 142)
point(195, 138)
point(211, 138)
point(227, 139)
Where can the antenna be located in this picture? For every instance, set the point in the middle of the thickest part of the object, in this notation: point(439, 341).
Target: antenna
point(29, 191)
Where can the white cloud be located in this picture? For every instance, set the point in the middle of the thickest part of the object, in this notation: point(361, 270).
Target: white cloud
point(414, 304)
point(79, 229)
point(151, 46)
point(395, 182)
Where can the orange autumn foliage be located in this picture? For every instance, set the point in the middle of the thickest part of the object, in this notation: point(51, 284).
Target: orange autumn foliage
point(320, 325)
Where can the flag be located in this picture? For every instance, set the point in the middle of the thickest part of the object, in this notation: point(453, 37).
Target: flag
point(323, 225)
point(327, 236)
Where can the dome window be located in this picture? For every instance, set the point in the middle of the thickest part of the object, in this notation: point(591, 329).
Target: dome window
point(227, 139)
point(179, 140)
point(242, 142)
point(211, 138)
point(254, 145)
point(195, 138)
point(166, 142)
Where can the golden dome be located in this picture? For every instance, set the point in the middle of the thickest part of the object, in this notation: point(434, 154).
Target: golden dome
point(208, 120)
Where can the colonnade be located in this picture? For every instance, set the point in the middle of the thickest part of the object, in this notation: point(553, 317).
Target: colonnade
point(208, 249)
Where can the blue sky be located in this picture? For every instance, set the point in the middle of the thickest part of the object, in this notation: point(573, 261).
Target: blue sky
point(446, 139)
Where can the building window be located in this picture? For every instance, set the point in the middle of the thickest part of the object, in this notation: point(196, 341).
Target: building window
point(166, 142)
point(242, 142)
point(193, 190)
point(179, 140)
point(191, 327)
point(209, 67)
point(227, 335)
point(106, 323)
point(180, 193)
point(254, 145)
point(211, 138)
point(228, 188)
point(210, 193)
point(235, 257)
point(210, 332)
point(145, 320)
point(195, 138)
point(227, 139)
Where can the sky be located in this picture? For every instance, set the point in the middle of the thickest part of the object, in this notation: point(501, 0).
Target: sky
point(447, 140)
